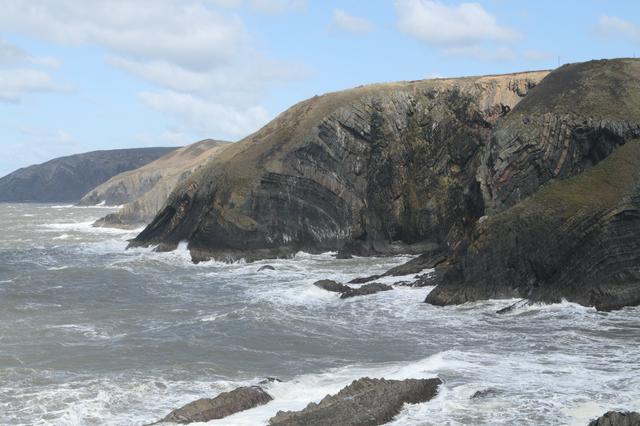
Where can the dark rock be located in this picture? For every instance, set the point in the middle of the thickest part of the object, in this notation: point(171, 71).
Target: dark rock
point(268, 380)
point(364, 279)
point(223, 405)
point(485, 393)
point(364, 402)
point(519, 304)
point(559, 181)
point(577, 239)
point(616, 418)
point(365, 290)
point(344, 255)
point(266, 268)
point(69, 178)
point(331, 285)
point(427, 260)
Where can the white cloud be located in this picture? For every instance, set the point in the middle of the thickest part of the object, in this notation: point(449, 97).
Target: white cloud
point(195, 52)
point(207, 117)
point(350, 23)
point(15, 83)
point(614, 27)
point(442, 25)
point(189, 34)
point(278, 6)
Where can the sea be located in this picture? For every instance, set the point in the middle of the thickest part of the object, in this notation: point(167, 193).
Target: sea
point(94, 334)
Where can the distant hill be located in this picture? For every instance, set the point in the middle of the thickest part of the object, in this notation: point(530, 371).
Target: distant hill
point(69, 178)
point(143, 191)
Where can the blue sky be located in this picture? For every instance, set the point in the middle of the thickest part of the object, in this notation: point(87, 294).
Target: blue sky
point(77, 76)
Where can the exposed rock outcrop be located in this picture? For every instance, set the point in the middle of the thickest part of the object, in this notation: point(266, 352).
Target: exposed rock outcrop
point(364, 402)
point(144, 191)
point(332, 286)
point(576, 239)
point(376, 169)
point(365, 290)
point(616, 418)
point(67, 179)
point(223, 405)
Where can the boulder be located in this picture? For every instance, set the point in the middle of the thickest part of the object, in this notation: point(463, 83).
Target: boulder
point(223, 405)
point(365, 290)
point(266, 268)
point(617, 418)
point(363, 280)
point(364, 402)
point(331, 285)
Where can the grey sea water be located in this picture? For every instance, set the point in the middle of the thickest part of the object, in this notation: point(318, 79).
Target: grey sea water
point(93, 334)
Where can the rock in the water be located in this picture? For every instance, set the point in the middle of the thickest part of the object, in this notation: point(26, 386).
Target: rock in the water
point(364, 402)
point(69, 178)
point(427, 260)
point(365, 290)
point(508, 309)
point(616, 418)
point(266, 268)
point(485, 393)
point(331, 285)
point(364, 279)
point(223, 405)
point(268, 380)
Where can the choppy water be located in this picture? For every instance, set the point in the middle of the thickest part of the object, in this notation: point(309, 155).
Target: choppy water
point(93, 334)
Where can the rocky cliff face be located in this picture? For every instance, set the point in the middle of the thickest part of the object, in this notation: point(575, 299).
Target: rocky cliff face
point(143, 191)
point(69, 178)
point(575, 239)
point(376, 169)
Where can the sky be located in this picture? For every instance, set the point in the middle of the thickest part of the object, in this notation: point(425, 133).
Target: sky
point(78, 76)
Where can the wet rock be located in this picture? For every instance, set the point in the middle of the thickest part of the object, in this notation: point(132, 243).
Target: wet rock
point(617, 418)
point(364, 279)
point(485, 393)
point(331, 285)
point(268, 380)
point(364, 402)
point(223, 405)
point(266, 268)
point(427, 260)
point(365, 290)
point(519, 304)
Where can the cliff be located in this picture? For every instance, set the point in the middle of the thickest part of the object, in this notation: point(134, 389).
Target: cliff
point(143, 191)
point(375, 169)
point(572, 144)
point(69, 178)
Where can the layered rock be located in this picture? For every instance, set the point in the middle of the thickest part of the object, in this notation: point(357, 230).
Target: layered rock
point(67, 179)
point(575, 239)
point(223, 405)
point(143, 191)
point(376, 169)
point(364, 402)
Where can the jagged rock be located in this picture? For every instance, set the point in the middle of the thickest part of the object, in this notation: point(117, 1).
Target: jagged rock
point(365, 290)
point(266, 268)
point(378, 169)
point(616, 418)
point(145, 190)
point(519, 304)
point(69, 178)
point(427, 260)
point(484, 393)
point(364, 279)
point(268, 380)
point(578, 238)
point(223, 405)
point(331, 285)
point(364, 402)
